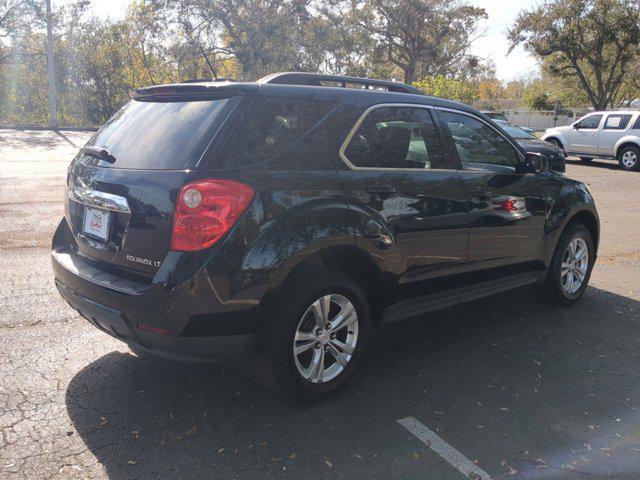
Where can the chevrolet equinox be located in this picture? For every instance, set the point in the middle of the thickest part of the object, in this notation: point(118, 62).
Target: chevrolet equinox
point(288, 217)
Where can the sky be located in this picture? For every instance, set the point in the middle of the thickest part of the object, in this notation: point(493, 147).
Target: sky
point(493, 45)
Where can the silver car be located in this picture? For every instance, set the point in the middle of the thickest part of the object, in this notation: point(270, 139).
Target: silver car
point(614, 135)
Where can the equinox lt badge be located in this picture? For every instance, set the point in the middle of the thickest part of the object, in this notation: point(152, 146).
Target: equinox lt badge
point(144, 261)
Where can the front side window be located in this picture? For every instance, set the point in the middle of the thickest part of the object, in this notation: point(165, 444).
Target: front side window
point(591, 122)
point(479, 146)
point(396, 137)
point(617, 122)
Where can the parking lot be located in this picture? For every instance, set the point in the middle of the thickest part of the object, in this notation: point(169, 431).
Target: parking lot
point(521, 388)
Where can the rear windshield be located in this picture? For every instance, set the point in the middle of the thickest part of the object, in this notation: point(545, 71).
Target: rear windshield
point(159, 135)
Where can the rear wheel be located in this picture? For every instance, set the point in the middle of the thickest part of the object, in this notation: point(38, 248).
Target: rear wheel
point(572, 263)
point(316, 336)
point(629, 158)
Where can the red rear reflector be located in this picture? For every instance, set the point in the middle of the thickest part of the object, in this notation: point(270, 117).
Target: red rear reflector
point(152, 329)
point(205, 210)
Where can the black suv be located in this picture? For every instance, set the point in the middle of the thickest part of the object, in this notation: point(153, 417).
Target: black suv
point(289, 216)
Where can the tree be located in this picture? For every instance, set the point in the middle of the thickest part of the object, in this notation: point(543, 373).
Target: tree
point(447, 87)
point(263, 36)
point(420, 37)
point(593, 40)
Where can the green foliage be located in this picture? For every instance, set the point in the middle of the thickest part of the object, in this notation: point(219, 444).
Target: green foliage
point(445, 87)
point(592, 43)
point(419, 37)
point(587, 46)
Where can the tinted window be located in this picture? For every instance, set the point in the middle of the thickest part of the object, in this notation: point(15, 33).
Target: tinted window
point(636, 125)
point(590, 122)
point(496, 116)
point(478, 145)
point(393, 137)
point(515, 131)
point(157, 135)
point(268, 126)
point(617, 122)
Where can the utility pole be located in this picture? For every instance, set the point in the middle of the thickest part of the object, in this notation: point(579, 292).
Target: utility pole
point(53, 107)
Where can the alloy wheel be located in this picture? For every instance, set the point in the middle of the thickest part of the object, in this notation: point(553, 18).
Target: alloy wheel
point(325, 338)
point(629, 159)
point(575, 263)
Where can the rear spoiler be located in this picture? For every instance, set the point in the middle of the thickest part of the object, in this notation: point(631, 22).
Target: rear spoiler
point(186, 91)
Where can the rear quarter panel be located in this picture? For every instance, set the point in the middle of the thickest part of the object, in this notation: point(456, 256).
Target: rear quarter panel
point(292, 215)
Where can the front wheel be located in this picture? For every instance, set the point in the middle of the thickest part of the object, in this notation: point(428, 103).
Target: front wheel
point(557, 143)
point(629, 158)
point(572, 263)
point(316, 335)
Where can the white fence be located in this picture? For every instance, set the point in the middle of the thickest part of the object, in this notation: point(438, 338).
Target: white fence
point(540, 120)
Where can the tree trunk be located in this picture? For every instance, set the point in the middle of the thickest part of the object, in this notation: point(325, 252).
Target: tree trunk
point(410, 74)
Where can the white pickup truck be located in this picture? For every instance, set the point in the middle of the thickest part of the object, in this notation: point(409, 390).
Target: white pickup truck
point(613, 135)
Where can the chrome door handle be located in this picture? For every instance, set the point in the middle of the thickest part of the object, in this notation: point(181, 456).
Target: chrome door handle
point(481, 195)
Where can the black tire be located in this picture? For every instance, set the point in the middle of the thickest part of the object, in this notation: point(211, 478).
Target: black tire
point(556, 142)
point(629, 158)
point(278, 366)
point(554, 282)
point(586, 159)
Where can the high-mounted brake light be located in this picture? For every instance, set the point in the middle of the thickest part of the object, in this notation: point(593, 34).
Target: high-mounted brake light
point(205, 210)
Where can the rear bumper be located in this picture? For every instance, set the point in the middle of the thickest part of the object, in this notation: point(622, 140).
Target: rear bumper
point(186, 320)
point(114, 323)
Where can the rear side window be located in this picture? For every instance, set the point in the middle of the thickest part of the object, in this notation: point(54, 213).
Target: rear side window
point(159, 135)
point(617, 122)
point(268, 126)
point(636, 125)
point(396, 137)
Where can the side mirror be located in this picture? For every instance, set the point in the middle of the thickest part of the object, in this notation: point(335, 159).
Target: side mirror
point(535, 163)
point(576, 126)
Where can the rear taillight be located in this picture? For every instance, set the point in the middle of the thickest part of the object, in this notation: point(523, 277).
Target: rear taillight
point(205, 210)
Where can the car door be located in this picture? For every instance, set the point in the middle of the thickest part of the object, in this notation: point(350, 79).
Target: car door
point(614, 129)
point(507, 208)
point(395, 173)
point(583, 138)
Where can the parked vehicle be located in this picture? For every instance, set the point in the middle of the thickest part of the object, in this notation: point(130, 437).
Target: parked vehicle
point(495, 115)
point(529, 143)
point(614, 135)
point(288, 217)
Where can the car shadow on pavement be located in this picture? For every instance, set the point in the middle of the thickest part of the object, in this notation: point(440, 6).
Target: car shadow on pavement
point(596, 163)
point(510, 381)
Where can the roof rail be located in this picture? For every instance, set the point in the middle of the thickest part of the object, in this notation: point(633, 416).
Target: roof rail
point(322, 80)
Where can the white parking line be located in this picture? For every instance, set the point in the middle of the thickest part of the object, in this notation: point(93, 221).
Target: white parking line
point(442, 448)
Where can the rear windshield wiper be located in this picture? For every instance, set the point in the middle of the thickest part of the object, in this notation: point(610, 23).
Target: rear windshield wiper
point(97, 152)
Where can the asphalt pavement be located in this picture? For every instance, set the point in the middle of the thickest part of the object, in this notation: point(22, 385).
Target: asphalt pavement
point(518, 387)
